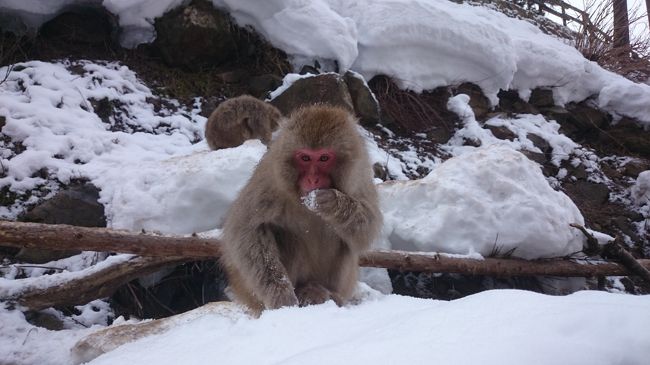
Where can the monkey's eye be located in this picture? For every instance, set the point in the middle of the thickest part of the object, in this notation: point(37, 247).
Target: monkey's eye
point(324, 158)
point(305, 158)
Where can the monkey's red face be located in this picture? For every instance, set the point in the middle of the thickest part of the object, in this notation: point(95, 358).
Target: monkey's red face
point(314, 168)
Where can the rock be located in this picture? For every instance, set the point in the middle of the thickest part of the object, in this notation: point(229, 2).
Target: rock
point(582, 191)
point(633, 138)
point(261, 86)
point(510, 102)
point(233, 77)
point(77, 205)
point(540, 143)
point(307, 69)
point(45, 320)
point(560, 115)
point(477, 100)
point(87, 24)
point(635, 167)
point(380, 171)
point(365, 104)
point(540, 158)
point(195, 37)
point(209, 104)
point(541, 98)
point(3, 121)
point(588, 117)
point(501, 132)
point(326, 88)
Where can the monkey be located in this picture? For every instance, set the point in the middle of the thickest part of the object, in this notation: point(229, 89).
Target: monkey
point(294, 233)
point(239, 119)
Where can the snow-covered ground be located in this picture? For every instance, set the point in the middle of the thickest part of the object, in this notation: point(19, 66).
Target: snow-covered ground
point(155, 174)
point(499, 327)
point(422, 44)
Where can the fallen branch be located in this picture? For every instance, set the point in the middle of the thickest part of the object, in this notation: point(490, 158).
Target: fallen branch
point(80, 287)
point(64, 237)
point(101, 280)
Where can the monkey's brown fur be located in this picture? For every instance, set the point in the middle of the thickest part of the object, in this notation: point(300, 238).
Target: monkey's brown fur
point(239, 119)
point(277, 252)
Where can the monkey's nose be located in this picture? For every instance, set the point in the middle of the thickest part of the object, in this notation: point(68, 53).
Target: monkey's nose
point(312, 181)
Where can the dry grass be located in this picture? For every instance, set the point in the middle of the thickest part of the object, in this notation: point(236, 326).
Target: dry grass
point(409, 110)
point(633, 61)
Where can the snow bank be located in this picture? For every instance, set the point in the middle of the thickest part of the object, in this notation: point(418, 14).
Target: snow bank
point(488, 199)
point(401, 330)
point(180, 195)
point(422, 44)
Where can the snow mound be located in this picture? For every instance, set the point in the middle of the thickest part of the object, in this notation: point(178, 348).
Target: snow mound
point(180, 195)
point(401, 330)
point(492, 198)
point(641, 189)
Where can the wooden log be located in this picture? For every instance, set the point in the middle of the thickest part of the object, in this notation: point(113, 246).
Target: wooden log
point(66, 237)
point(55, 237)
point(81, 287)
point(417, 261)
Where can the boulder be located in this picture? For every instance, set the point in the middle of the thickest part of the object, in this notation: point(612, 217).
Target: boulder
point(260, 86)
point(541, 98)
point(364, 102)
point(77, 205)
point(477, 100)
point(510, 102)
point(195, 37)
point(328, 89)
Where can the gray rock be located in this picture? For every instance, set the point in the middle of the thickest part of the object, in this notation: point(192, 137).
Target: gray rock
point(328, 89)
point(365, 105)
point(541, 98)
point(477, 100)
point(501, 132)
point(510, 102)
point(261, 86)
point(77, 205)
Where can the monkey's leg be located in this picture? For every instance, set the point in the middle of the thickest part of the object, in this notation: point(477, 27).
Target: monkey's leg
point(311, 294)
point(263, 271)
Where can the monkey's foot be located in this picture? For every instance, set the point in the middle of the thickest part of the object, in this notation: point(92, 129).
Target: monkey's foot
point(311, 294)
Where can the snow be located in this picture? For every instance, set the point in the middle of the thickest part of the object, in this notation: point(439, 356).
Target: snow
point(641, 189)
point(421, 44)
point(494, 327)
point(487, 199)
point(156, 174)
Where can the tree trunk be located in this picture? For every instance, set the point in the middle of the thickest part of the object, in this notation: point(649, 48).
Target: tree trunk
point(621, 24)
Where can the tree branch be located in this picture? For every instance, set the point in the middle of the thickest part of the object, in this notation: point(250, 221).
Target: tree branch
point(101, 280)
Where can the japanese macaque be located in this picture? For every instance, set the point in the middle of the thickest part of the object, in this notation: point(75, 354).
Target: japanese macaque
point(294, 234)
point(239, 119)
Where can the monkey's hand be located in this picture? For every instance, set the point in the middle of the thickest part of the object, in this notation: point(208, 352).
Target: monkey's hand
point(349, 217)
point(280, 294)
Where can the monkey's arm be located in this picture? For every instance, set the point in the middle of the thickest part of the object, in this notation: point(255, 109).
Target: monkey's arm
point(258, 259)
point(355, 220)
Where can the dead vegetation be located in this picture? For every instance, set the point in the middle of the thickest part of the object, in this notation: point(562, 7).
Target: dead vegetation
point(631, 61)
